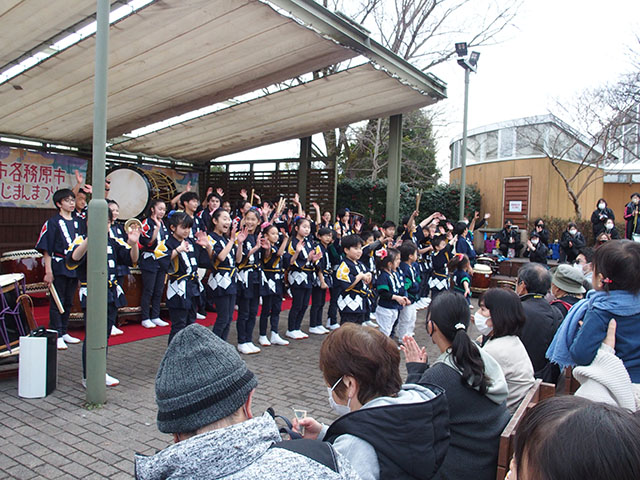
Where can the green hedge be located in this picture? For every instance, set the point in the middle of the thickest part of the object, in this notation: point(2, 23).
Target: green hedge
point(369, 198)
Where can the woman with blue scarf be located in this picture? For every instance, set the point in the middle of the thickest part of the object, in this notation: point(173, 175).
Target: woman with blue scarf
point(616, 279)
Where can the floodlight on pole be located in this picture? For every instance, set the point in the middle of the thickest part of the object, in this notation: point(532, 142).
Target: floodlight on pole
point(461, 49)
point(470, 64)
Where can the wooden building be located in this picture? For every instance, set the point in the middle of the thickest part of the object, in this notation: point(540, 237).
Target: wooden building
point(510, 163)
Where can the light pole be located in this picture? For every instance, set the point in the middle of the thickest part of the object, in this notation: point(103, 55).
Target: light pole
point(470, 64)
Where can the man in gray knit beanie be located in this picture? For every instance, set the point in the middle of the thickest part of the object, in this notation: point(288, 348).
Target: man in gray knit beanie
point(204, 392)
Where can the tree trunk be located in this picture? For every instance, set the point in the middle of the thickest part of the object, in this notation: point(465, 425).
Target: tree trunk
point(572, 194)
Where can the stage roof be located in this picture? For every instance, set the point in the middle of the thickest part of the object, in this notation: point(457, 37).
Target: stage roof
point(175, 56)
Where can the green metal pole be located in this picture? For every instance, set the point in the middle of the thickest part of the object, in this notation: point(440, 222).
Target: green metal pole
point(463, 158)
point(96, 316)
point(303, 171)
point(394, 168)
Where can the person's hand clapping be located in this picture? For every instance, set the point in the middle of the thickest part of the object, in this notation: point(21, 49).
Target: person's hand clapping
point(413, 352)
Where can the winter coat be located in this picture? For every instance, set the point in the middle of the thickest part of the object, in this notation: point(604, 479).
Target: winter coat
point(542, 321)
point(237, 452)
point(475, 420)
point(402, 437)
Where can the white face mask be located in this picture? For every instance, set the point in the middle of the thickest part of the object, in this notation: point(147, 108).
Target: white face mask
point(602, 206)
point(481, 323)
point(534, 241)
point(609, 226)
point(336, 407)
point(573, 232)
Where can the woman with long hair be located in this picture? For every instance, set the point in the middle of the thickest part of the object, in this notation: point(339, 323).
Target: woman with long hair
point(474, 384)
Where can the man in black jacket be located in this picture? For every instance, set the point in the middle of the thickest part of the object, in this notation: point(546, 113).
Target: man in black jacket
point(509, 237)
point(542, 320)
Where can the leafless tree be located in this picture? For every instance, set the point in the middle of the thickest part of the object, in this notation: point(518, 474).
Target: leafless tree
point(607, 136)
point(423, 32)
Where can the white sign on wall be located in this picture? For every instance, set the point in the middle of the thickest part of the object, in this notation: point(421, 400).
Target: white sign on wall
point(515, 206)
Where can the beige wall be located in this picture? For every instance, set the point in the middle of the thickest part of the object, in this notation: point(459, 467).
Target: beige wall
point(549, 197)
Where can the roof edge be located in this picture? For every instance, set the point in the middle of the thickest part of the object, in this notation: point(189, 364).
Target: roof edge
point(327, 23)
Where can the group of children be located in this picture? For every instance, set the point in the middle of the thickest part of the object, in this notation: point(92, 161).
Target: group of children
point(255, 256)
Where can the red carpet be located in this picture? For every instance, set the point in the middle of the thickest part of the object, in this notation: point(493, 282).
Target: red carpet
point(132, 331)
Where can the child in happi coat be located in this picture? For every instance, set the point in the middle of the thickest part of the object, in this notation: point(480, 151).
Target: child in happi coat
point(272, 284)
point(390, 286)
point(249, 279)
point(118, 252)
point(372, 244)
point(154, 262)
point(300, 257)
point(462, 275)
point(439, 281)
point(353, 279)
point(323, 282)
point(222, 280)
point(411, 274)
point(184, 287)
point(55, 237)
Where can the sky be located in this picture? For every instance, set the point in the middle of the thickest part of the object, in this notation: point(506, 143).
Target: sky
point(557, 49)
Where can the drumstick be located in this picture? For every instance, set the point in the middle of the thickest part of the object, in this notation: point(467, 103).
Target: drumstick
point(56, 298)
point(418, 196)
point(251, 201)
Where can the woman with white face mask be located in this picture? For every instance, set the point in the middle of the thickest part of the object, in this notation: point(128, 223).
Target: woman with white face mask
point(601, 216)
point(570, 243)
point(361, 367)
point(499, 319)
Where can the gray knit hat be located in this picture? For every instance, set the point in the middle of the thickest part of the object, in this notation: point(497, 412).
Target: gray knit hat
point(201, 380)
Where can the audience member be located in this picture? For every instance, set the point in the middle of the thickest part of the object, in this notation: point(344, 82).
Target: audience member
point(204, 393)
point(572, 438)
point(567, 288)
point(571, 242)
point(542, 320)
point(474, 385)
point(617, 296)
point(392, 430)
point(499, 319)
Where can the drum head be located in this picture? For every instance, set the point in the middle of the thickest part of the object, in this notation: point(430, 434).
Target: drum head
point(130, 189)
point(20, 254)
point(483, 269)
point(10, 279)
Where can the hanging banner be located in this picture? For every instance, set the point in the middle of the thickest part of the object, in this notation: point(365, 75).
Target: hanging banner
point(29, 179)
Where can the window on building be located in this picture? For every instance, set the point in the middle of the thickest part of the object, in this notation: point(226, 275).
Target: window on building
point(491, 145)
point(507, 142)
point(529, 140)
point(474, 146)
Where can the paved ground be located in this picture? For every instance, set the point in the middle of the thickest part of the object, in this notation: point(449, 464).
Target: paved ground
point(56, 437)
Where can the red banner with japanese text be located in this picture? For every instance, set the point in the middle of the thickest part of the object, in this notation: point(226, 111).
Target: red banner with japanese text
point(29, 179)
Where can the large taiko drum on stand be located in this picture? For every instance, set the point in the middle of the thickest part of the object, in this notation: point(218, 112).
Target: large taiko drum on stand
point(132, 286)
point(28, 262)
point(134, 188)
point(481, 278)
